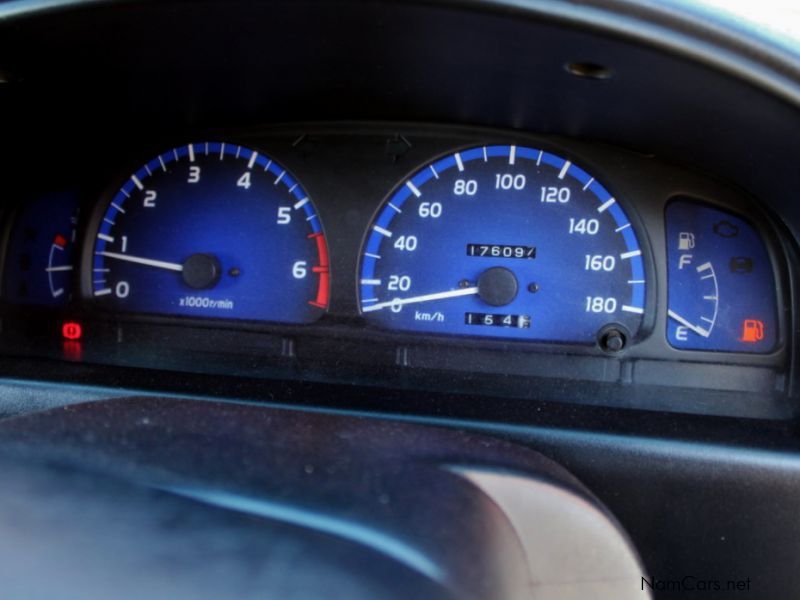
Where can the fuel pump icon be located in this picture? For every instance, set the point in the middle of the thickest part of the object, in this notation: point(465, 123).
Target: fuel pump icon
point(685, 240)
point(752, 331)
point(685, 243)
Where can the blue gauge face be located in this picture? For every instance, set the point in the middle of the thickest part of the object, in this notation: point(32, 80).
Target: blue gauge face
point(39, 269)
point(721, 284)
point(503, 241)
point(212, 230)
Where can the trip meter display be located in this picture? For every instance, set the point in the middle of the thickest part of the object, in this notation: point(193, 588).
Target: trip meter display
point(504, 241)
point(211, 230)
point(721, 282)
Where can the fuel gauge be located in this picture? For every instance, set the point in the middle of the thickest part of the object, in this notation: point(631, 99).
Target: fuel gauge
point(721, 284)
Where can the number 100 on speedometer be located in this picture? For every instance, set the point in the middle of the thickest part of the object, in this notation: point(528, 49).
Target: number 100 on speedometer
point(503, 241)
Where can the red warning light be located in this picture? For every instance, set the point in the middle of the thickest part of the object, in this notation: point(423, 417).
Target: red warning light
point(72, 331)
point(752, 331)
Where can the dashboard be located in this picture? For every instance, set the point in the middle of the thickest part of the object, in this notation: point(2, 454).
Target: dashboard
point(447, 257)
point(479, 293)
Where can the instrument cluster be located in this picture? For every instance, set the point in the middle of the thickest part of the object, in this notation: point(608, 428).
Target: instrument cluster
point(400, 237)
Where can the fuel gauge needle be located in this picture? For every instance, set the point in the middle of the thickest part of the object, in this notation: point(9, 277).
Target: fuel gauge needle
point(470, 291)
point(697, 329)
point(159, 264)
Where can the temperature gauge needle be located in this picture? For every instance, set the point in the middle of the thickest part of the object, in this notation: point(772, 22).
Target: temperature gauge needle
point(697, 329)
point(159, 264)
point(470, 291)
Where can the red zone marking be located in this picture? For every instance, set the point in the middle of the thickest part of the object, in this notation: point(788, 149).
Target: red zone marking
point(323, 291)
point(60, 241)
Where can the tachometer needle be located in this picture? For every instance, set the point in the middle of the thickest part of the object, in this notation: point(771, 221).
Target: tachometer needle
point(159, 264)
point(470, 291)
point(696, 328)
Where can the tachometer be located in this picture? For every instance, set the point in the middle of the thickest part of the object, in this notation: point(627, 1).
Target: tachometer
point(214, 230)
point(504, 241)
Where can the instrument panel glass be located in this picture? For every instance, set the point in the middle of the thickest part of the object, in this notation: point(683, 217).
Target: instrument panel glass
point(529, 267)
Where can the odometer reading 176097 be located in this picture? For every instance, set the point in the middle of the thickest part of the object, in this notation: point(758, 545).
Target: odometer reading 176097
point(504, 241)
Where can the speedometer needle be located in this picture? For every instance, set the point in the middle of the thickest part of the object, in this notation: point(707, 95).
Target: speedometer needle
point(470, 291)
point(159, 264)
point(697, 329)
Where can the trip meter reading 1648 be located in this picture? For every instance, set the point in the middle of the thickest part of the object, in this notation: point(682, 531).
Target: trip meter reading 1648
point(504, 241)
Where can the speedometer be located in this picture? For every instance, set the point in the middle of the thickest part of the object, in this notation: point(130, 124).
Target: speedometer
point(504, 241)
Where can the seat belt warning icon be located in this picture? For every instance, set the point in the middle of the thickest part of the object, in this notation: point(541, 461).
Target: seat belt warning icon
point(752, 331)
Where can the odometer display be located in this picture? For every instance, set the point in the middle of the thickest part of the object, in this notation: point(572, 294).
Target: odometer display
point(501, 251)
point(212, 230)
point(544, 240)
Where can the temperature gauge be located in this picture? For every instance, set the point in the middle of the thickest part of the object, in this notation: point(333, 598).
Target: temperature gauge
point(41, 252)
point(721, 290)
